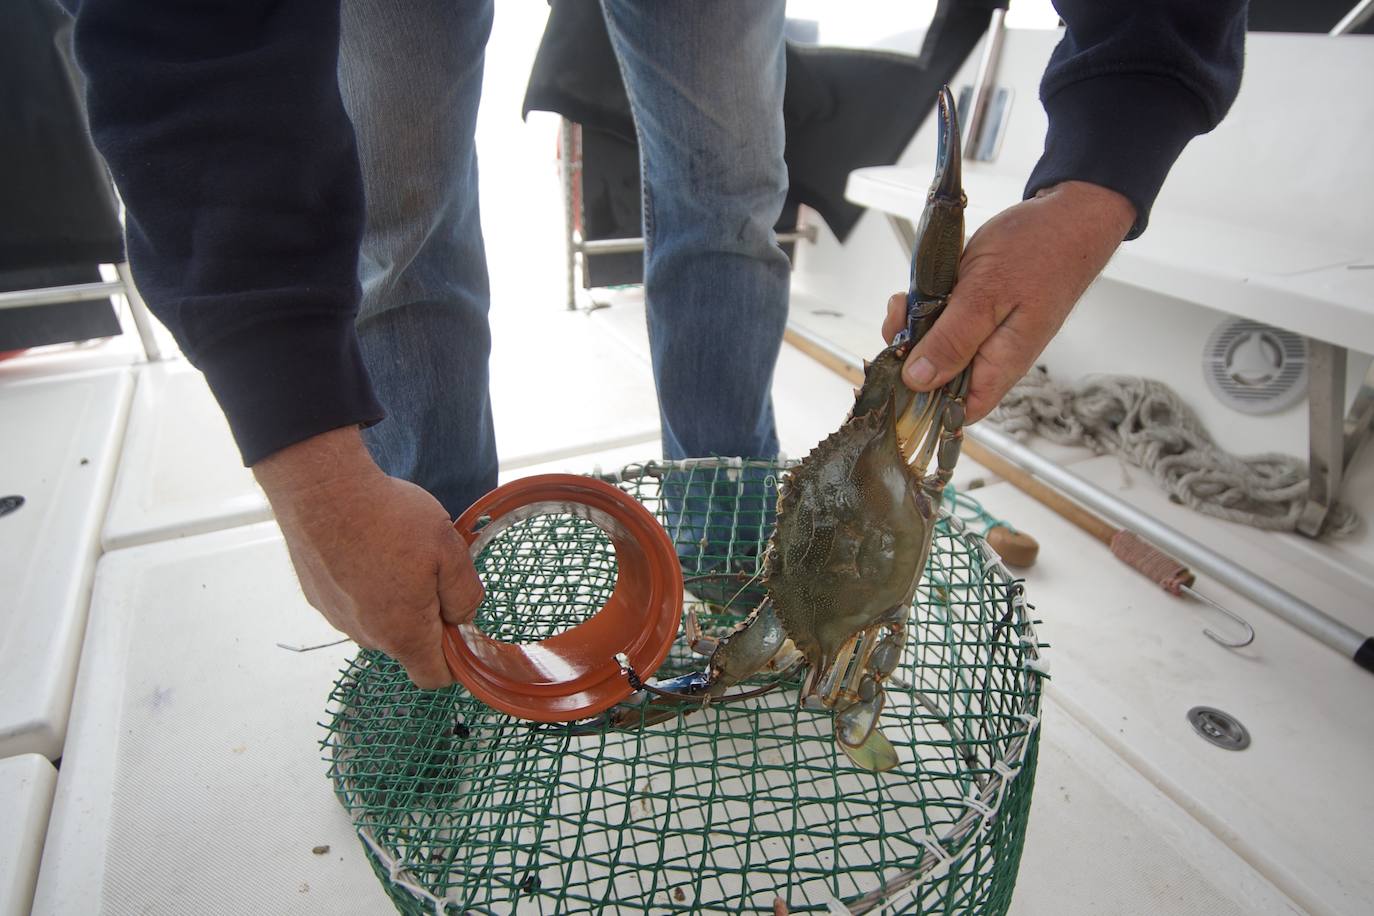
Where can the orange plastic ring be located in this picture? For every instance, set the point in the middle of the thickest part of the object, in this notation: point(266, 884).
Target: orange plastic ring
point(574, 674)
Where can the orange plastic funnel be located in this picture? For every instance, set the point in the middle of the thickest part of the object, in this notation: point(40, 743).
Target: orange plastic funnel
point(574, 674)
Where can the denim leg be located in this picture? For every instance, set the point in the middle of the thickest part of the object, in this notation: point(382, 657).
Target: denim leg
point(705, 81)
point(411, 77)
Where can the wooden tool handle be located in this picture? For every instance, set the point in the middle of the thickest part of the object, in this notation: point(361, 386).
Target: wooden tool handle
point(1041, 492)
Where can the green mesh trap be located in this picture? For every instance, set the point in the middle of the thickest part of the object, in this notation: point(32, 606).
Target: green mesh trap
point(971, 512)
point(462, 809)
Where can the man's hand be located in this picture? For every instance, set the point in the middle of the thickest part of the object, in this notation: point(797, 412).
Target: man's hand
point(377, 556)
point(1019, 278)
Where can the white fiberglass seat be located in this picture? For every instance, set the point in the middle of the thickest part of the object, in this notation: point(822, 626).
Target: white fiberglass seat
point(61, 440)
point(26, 788)
point(192, 780)
point(180, 473)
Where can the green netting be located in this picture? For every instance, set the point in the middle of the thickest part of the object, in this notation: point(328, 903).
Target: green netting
point(728, 808)
point(971, 512)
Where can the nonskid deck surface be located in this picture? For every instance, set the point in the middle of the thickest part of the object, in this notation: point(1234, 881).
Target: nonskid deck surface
point(27, 782)
point(1130, 661)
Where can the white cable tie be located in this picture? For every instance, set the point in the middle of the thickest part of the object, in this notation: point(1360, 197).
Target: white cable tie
point(935, 847)
point(895, 900)
point(1019, 752)
point(973, 804)
point(1030, 720)
point(1008, 773)
point(1040, 666)
point(395, 870)
point(943, 860)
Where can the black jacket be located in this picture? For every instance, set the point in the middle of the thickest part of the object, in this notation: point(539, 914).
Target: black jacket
point(222, 125)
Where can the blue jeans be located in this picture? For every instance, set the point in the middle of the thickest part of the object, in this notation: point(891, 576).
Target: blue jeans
point(705, 82)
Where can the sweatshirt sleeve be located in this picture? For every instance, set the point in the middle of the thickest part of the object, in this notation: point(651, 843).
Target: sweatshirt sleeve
point(1130, 84)
point(223, 127)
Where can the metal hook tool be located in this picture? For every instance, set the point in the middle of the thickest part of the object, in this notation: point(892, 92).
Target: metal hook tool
point(1239, 620)
point(1127, 546)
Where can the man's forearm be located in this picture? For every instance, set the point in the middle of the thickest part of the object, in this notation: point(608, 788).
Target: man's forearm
point(1131, 83)
point(223, 128)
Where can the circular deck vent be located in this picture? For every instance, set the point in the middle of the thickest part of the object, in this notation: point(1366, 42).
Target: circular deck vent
point(1255, 368)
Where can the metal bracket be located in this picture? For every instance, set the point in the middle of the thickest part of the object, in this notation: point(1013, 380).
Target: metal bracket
point(983, 108)
point(1334, 436)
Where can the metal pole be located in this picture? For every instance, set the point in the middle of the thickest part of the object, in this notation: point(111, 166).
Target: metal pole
point(1355, 18)
point(143, 319)
point(51, 295)
point(982, 84)
point(627, 246)
point(1318, 624)
point(570, 181)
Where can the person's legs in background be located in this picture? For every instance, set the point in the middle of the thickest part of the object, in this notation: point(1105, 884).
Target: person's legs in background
point(705, 81)
point(411, 79)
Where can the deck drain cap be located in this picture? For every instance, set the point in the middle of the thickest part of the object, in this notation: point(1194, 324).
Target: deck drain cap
point(1220, 728)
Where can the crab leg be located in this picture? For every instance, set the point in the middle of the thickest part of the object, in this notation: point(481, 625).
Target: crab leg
point(744, 652)
point(914, 423)
point(925, 444)
point(951, 437)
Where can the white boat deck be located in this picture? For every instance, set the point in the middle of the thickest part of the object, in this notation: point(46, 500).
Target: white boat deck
point(192, 762)
point(178, 473)
point(26, 789)
point(62, 439)
point(1130, 660)
point(190, 779)
point(187, 714)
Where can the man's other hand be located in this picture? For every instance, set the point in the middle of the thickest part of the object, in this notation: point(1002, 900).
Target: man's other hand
point(1019, 278)
point(377, 556)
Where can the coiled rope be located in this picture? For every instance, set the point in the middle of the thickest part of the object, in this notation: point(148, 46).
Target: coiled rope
point(1146, 423)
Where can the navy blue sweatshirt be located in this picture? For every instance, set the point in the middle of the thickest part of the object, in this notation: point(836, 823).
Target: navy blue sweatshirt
point(222, 125)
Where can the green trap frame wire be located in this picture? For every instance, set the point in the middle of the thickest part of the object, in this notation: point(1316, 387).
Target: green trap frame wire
point(462, 809)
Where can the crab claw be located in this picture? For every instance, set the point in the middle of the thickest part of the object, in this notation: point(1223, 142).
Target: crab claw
point(940, 236)
point(948, 181)
point(876, 754)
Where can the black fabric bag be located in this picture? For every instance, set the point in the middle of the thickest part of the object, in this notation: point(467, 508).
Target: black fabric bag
point(58, 216)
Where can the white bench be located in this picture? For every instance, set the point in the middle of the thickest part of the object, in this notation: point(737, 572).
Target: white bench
point(1269, 217)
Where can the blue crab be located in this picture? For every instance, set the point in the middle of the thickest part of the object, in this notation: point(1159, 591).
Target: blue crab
point(855, 520)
